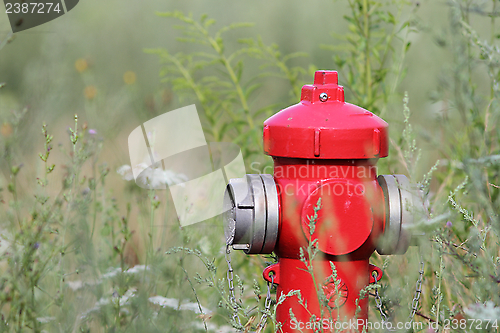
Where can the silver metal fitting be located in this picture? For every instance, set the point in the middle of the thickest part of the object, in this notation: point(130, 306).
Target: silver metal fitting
point(323, 97)
point(402, 204)
point(251, 215)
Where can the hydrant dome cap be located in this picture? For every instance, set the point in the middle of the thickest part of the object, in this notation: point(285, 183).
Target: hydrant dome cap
point(323, 126)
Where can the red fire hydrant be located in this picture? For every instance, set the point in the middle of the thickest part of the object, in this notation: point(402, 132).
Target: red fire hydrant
point(324, 198)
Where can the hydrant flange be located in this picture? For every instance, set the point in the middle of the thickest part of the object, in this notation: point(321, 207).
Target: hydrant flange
point(253, 202)
point(400, 203)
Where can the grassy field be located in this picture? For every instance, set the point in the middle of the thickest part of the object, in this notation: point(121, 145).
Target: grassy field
point(84, 249)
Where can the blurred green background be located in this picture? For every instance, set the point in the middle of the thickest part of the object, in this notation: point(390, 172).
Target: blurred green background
point(39, 65)
point(91, 62)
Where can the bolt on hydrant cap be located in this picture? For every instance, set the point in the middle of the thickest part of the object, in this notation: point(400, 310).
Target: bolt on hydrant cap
point(323, 126)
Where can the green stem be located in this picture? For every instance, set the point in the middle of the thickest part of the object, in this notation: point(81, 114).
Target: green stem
point(94, 192)
point(439, 291)
point(150, 233)
point(492, 90)
point(35, 323)
point(74, 176)
point(16, 201)
point(194, 292)
point(366, 32)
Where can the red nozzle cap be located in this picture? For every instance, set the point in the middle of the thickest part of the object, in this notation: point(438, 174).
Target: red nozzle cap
point(324, 89)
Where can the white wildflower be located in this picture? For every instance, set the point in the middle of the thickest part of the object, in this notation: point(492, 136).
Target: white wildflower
point(75, 285)
point(128, 295)
point(112, 273)
point(115, 271)
point(78, 284)
point(151, 176)
point(123, 300)
point(126, 172)
point(164, 302)
point(136, 269)
point(174, 304)
point(486, 311)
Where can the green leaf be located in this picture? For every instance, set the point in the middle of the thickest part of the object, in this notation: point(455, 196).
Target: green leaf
point(251, 89)
point(234, 26)
point(247, 41)
point(404, 25)
point(239, 70)
point(349, 19)
point(209, 23)
point(220, 43)
point(295, 55)
point(407, 46)
point(391, 18)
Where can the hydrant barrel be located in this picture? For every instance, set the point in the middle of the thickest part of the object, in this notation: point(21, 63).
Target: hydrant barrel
point(324, 211)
